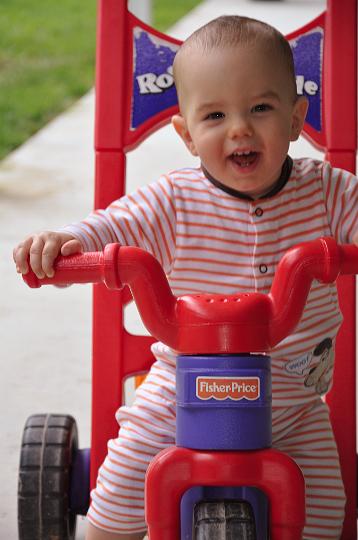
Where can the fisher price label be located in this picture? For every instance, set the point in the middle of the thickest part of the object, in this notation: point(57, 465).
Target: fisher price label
point(234, 388)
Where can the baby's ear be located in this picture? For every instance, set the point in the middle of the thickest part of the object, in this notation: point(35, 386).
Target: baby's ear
point(180, 126)
point(298, 117)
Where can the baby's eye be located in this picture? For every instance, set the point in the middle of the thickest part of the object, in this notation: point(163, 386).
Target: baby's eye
point(217, 115)
point(262, 107)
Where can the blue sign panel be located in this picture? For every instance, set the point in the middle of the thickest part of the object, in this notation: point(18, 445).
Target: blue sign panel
point(308, 56)
point(153, 82)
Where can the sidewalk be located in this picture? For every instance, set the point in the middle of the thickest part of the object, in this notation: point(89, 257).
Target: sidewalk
point(45, 334)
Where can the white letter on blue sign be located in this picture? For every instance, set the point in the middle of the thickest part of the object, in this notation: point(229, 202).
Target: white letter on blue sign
point(310, 87)
point(150, 83)
point(147, 84)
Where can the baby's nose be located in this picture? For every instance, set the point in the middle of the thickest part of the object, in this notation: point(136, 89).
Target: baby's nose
point(240, 127)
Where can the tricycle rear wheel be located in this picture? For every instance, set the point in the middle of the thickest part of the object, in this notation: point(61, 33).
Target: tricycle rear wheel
point(48, 446)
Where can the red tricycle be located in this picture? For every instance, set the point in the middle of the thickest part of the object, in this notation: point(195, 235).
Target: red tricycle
point(54, 473)
point(231, 484)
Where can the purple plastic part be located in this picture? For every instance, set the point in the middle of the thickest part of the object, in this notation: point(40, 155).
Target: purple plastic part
point(80, 482)
point(232, 393)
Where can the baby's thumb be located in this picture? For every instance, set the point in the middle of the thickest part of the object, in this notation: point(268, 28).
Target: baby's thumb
point(70, 247)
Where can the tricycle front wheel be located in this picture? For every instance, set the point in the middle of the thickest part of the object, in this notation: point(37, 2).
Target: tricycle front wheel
point(224, 520)
point(49, 444)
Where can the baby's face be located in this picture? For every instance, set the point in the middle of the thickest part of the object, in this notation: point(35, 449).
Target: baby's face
point(238, 114)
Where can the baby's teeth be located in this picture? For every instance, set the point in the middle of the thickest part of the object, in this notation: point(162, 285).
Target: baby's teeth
point(246, 153)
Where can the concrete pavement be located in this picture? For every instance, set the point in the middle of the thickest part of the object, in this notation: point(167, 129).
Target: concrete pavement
point(45, 334)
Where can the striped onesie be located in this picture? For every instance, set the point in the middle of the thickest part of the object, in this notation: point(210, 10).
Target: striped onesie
point(211, 239)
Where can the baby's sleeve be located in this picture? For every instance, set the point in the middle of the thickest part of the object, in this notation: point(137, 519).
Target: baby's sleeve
point(340, 189)
point(145, 218)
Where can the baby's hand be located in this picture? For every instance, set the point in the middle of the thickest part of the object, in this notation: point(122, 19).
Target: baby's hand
point(41, 250)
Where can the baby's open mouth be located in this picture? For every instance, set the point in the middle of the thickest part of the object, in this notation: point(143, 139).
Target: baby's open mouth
point(244, 159)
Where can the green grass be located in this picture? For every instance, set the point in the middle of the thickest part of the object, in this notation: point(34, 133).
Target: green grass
point(47, 53)
point(167, 12)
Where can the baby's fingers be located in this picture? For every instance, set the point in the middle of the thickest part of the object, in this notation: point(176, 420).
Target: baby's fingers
point(50, 251)
point(70, 247)
point(20, 255)
point(36, 250)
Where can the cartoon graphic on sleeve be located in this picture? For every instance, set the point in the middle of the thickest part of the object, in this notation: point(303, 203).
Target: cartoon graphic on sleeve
point(322, 364)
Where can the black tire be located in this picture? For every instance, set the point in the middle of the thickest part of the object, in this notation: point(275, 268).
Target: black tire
point(48, 446)
point(224, 520)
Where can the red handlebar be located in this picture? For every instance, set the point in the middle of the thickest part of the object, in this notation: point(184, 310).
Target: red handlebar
point(204, 324)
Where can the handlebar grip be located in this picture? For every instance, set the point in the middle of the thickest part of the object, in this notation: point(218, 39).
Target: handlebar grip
point(79, 268)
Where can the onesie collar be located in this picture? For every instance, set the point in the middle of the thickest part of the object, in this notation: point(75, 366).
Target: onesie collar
point(281, 182)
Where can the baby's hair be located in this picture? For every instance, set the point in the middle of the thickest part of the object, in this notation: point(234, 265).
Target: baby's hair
point(232, 30)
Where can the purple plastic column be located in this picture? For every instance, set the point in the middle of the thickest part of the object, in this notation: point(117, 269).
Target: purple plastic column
point(224, 403)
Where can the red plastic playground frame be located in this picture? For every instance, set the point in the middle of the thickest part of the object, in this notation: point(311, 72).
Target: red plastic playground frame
point(118, 354)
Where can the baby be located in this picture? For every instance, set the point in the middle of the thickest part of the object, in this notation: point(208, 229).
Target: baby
point(222, 228)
